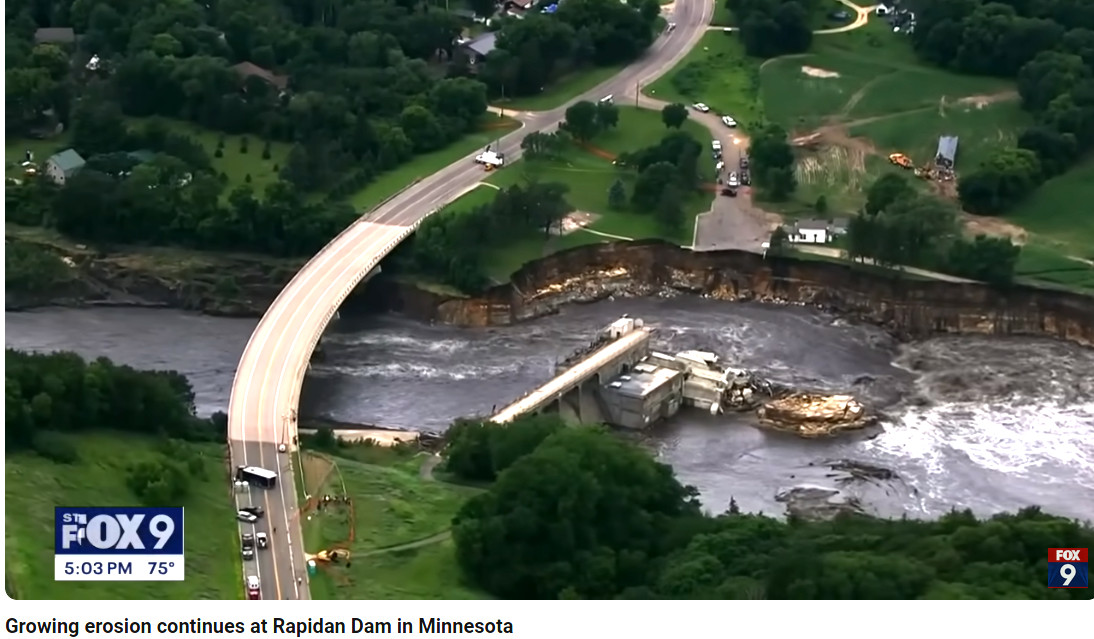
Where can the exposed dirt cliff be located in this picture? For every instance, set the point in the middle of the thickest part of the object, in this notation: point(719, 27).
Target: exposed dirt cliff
point(217, 284)
point(909, 308)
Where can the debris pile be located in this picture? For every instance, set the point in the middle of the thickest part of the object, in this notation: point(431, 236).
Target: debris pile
point(746, 391)
point(811, 415)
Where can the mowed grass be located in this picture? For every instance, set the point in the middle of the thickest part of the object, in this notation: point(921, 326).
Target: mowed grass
point(641, 128)
point(562, 90)
point(981, 130)
point(422, 166)
point(33, 486)
point(1046, 263)
point(858, 74)
point(718, 73)
point(1059, 212)
point(393, 505)
point(234, 163)
point(15, 153)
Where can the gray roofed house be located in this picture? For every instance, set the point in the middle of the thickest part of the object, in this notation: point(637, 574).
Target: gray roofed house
point(64, 165)
point(947, 151)
point(839, 226)
point(55, 35)
point(482, 45)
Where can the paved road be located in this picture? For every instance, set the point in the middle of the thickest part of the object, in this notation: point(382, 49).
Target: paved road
point(266, 389)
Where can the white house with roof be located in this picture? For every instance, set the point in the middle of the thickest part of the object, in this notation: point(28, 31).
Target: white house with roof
point(64, 165)
point(816, 231)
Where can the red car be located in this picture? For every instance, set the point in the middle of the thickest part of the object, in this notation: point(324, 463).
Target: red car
point(253, 591)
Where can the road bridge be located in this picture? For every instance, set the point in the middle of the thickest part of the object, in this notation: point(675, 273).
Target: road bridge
point(573, 391)
point(266, 389)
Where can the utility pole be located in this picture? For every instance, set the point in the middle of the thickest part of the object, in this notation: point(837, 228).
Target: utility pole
point(637, 91)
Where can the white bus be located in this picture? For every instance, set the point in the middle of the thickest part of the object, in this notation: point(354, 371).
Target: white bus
point(255, 475)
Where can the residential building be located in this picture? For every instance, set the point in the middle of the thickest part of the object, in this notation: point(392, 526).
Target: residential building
point(839, 226)
point(809, 232)
point(947, 152)
point(480, 47)
point(250, 69)
point(55, 35)
point(64, 165)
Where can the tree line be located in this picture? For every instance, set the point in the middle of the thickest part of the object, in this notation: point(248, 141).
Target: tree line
point(770, 28)
point(578, 513)
point(52, 397)
point(538, 48)
point(1048, 47)
point(898, 226)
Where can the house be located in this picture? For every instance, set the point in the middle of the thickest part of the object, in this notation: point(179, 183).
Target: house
point(839, 226)
point(250, 69)
point(809, 232)
point(947, 152)
point(481, 46)
point(882, 10)
point(64, 165)
point(55, 35)
point(519, 5)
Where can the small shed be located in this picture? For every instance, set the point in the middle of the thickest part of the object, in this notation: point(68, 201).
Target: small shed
point(947, 152)
point(64, 165)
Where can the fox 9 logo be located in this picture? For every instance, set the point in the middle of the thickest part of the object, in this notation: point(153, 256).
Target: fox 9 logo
point(89, 531)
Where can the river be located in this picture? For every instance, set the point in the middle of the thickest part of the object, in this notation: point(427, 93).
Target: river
point(986, 423)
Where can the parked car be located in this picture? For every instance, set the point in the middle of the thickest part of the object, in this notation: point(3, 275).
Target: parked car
point(729, 191)
point(263, 541)
point(733, 181)
point(746, 179)
point(728, 121)
point(254, 510)
point(672, 26)
point(248, 554)
point(700, 107)
point(253, 590)
point(245, 516)
point(744, 162)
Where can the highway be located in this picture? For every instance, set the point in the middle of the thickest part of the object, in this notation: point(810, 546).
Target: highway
point(584, 369)
point(266, 389)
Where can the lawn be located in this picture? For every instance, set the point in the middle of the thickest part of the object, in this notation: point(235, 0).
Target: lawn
point(234, 163)
point(641, 128)
point(1045, 263)
point(393, 505)
point(15, 150)
point(421, 166)
point(1059, 212)
point(562, 90)
point(981, 129)
point(718, 73)
point(33, 486)
point(859, 74)
point(722, 17)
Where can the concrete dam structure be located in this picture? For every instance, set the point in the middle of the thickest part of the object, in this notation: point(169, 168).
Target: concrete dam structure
point(616, 379)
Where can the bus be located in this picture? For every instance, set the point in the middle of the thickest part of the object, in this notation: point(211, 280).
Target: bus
point(258, 476)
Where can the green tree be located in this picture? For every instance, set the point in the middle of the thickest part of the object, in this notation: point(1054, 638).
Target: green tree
point(674, 115)
point(651, 185)
point(581, 121)
point(617, 195)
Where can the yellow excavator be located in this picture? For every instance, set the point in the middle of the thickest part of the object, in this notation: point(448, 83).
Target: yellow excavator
point(901, 160)
point(332, 555)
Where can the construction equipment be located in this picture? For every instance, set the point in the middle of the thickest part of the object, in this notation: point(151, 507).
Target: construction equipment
point(901, 160)
point(333, 555)
point(925, 172)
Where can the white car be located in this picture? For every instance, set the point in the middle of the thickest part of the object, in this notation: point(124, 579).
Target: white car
point(728, 121)
point(672, 25)
point(243, 515)
point(700, 107)
point(733, 180)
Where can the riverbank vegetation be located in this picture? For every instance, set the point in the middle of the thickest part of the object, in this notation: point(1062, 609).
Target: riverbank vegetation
point(622, 172)
point(587, 515)
point(64, 424)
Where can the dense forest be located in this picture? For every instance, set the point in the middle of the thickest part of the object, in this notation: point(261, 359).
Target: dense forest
point(355, 88)
point(1048, 47)
point(771, 28)
point(580, 513)
point(50, 398)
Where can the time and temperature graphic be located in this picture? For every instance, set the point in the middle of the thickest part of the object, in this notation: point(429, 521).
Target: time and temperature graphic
point(118, 544)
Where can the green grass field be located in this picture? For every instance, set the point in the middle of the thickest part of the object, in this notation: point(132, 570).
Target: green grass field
point(422, 166)
point(641, 128)
point(562, 90)
point(33, 486)
point(15, 149)
point(718, 73)
point(862, 73)
point(401, 519)
point(1059, 212)
point(1039, 263)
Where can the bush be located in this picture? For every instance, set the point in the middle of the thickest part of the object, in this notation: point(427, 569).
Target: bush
point(161, 482)
point(55, 447)
point(219, 153)
point(266, 151)
point(243, 144)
